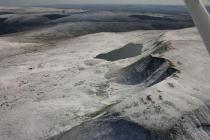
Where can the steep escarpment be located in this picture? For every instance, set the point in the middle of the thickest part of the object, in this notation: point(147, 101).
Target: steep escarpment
point(147, 71)
point(192, 126)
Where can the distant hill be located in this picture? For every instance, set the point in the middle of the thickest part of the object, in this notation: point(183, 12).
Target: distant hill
point(132, 8)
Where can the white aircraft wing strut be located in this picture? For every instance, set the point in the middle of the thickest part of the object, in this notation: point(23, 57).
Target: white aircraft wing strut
point(201, 19)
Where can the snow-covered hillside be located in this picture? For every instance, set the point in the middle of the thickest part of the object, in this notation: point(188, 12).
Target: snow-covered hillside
point(65, 92)
point(69, 74)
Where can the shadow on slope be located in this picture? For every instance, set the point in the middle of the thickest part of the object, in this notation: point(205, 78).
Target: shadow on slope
point(114, 127)
point(107, 128)
point(191, 125)
point(146, 72)
point(130, 50)
point(55, 16)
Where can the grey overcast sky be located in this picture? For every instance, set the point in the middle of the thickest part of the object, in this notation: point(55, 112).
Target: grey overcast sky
point(40, 2)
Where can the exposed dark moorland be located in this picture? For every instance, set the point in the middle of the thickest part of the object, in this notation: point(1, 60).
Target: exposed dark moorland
point(91, 20)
